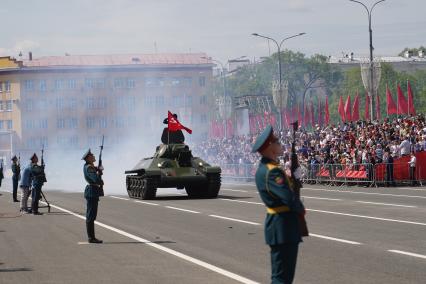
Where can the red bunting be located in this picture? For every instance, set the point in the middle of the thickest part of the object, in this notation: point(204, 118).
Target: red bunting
point(327, 112)
point(341, 109)
point(411, 109)
point(355, 108)
point(390, 104)
point(402, 102)
point(348, 116)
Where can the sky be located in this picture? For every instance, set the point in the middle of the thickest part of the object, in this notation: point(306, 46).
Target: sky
point(220, 28)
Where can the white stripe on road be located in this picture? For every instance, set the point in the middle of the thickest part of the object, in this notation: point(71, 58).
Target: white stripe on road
point(408, 253)
point(387, 204)
point(236, 220)
point(116, 197)
point(368, 217)
point(144, 202)
point(321, 198)
point(368, 193)
point(334, 239)
point(181, 209)
point(241, 201)
point(167, 250)
point(238, 190)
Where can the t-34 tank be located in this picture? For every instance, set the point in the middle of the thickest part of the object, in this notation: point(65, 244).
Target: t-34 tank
point(173, 166)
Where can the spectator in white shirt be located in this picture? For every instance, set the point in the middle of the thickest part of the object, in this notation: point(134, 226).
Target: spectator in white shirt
point(412, 165)
point(404, 147)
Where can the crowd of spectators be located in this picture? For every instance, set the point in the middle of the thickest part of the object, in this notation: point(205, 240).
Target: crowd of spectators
point(360, 142)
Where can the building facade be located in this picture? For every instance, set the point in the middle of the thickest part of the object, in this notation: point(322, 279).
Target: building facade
point(70, 102)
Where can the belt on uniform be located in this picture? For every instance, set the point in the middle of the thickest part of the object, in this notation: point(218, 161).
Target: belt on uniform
point(95, 185)
point(276, 210)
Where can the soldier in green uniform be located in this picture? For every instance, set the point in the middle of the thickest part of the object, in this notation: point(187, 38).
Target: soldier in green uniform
point(91, 194)
point(38, 178)
point(16, 170)
point(282, 231)
point(1, 172)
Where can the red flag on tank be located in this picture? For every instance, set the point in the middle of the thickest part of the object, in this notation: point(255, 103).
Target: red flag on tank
point(174, 124)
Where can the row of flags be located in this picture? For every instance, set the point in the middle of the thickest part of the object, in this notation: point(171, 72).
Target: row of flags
point(350, 112)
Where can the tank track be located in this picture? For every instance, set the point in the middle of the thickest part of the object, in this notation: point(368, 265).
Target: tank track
point(208, 190)
point(141, 187)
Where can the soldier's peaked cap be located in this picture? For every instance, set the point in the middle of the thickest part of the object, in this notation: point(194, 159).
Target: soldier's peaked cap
point(262, 139)
point(33, 156)
point(14, 158)
point(88, 153)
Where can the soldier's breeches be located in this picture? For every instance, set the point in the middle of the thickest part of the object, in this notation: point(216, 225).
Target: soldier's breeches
point(92, 210)
point(283, 263)
point(24, 198)
point(15, 188)
point(35, 195)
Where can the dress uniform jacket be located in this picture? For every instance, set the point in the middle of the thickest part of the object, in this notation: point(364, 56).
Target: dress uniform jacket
point(94, 182)
point(281, 224)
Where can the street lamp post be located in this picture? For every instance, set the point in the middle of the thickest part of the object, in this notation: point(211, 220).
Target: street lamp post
point(369, 11)
point(225, 98)
point(279, 70)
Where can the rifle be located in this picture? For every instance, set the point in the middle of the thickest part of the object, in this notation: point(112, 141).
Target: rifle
point(303, 227)
point(100, 167)
point(43, 165)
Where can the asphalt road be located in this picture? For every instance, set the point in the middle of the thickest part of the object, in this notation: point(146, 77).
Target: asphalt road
point(358, 235)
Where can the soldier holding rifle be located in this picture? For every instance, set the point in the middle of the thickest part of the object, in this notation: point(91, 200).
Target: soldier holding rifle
point(284, 224)
point(38, 178)
point(92, 192)
point(16, 170)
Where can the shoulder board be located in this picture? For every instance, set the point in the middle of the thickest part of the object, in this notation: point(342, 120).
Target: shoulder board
point(271, 166)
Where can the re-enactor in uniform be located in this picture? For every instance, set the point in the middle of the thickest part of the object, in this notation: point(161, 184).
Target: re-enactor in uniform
point(283, 207)
point(91, 194)
point(25, 187)
point(38, 178)
point(16, 170)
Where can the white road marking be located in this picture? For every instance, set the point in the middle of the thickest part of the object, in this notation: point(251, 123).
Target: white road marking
point(334, 239)
point(166, 250)
point(144, 202)
point(83, 243)
point(387, 204)
point(236, 220)
point(368, 217)
point(241, 201)
point(238, 190)
point(321, 198)
point(116, 197)
point(181, 209)
point(408, 253)
point(368, 193)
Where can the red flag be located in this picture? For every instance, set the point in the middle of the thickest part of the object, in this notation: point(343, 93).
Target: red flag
point(174, 124)
point(355, 108)
point(327, 113)
point(320, 113)
point(402, 102)
point(390, 104)
point(341, 109)
point(348, 116)
point(379, 113)
point(367, 106)
point(411, 108)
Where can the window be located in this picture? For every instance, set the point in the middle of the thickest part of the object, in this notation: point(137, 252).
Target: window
point(90, 122)
point(28, 85)
point(103, 122)
point(160, 82)
point(159, 101)
point(73, 141)
point(43, 123)
point(73, 123)
point(176, 81)
point(131, 83)
point(150, 82)
point(9, 124)
point(100, 83)
point(7, 86)
point(188, 101)
point(9, 105)
point(119, 83)
point(90, 103)
point(29, 124)
point(187, 81)
point(202, 81)
point(60, 103)
point(148, 100)
point(119, 122)
point(43, 86)
point(60, 123)
point(72, 84)
point(89, 83)
point(29, 105)
point(203, 118)
point(72, 103)
point(175, 101)
point(59, 84)
point(1, 124)
point(43, 141)
point(203, 100)
point(102, 102)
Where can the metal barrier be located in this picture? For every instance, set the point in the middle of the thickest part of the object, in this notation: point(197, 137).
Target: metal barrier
point(337, 174)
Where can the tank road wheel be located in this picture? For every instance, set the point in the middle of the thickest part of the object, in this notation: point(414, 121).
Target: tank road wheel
point(148, 189)
point(213, 186)
point(129, 187)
